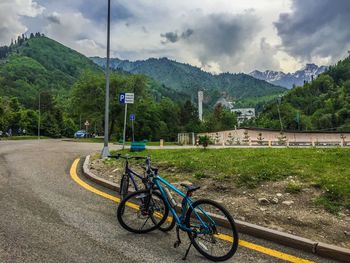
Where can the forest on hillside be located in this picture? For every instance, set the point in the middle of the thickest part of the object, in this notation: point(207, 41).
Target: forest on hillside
point(71, 90)
point(323, 104)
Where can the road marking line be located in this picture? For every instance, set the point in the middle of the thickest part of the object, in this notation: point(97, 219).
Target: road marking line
point(243, 243)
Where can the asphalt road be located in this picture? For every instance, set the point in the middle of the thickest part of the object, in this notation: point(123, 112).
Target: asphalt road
point(45, 216)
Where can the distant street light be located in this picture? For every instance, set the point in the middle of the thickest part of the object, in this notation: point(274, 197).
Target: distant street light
point(105, 150)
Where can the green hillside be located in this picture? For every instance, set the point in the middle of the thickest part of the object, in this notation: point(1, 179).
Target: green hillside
point(323, 104)
point(188, 79)
point(72, 89)
point(40, 64)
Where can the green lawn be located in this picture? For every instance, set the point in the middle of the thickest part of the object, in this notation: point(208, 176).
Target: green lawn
point(156, 143)
point(328, 169)
point(97, 140)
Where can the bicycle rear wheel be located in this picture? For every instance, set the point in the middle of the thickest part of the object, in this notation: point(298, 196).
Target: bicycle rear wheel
point(168, 224)
point(141, 212)
point(124, 186)
point(213, 240)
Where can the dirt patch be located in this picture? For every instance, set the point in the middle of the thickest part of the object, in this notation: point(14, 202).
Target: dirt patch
point(287, 205)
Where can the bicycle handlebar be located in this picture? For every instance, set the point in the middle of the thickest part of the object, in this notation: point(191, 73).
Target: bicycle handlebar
point(147, 166)
point(127, 157)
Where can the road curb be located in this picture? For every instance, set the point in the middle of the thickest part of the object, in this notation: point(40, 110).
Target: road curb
point(308, 245)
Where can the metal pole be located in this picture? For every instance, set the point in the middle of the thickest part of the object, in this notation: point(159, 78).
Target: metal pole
point(39, 118)
point(132, 126)
point(105, 150)
point(126, 109)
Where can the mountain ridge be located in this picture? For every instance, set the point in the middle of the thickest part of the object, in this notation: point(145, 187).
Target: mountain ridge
point(288, 80)
point(189, 79)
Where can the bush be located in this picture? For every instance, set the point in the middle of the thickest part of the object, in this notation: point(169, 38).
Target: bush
point(204, 140)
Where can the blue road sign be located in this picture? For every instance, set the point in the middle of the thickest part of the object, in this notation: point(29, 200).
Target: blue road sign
point(122, 98)
point(132, 117)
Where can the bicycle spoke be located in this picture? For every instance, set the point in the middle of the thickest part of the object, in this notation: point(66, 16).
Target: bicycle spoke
point(210, 239)
point(144, 223)
point(135, 211)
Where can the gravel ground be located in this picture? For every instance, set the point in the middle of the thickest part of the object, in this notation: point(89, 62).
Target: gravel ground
point(268, 205)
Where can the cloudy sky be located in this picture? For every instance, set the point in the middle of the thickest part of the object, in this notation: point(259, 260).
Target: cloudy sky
point(216, 35)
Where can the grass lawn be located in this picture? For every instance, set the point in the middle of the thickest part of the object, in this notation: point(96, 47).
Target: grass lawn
point(156, 143)
point(328, 169)
point(100, 140)
point(97, 140)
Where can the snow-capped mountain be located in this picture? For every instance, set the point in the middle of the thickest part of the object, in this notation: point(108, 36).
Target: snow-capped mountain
point(289, 79)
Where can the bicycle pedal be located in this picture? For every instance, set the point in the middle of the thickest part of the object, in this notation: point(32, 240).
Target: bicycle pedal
point(177, 244)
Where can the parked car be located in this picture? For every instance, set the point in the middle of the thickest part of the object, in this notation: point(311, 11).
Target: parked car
point(81, 134)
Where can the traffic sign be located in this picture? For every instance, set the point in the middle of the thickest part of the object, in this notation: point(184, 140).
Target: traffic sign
point(132, 117)
point(86, 123)
point(126, 98)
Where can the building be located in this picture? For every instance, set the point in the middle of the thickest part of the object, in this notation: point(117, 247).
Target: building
point(200, 105)
point(224, 103)
point(244, 114)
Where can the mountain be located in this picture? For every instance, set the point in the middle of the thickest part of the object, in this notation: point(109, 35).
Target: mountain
point(323, 104)
point(40, 64)
point(289, 79)
point(189, 79)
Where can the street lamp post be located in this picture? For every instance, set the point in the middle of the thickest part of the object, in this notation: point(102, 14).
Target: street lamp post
point(105, 150)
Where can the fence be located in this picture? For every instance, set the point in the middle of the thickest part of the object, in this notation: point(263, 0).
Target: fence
point(254, 137)
point(186, 138)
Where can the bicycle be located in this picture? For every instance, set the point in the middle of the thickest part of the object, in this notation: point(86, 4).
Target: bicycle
point(129, 174)
point(195, 217)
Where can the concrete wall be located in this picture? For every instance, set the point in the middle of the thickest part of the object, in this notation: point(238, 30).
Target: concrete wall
point(273, 136)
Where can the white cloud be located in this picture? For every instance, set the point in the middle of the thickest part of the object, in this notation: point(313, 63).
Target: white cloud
point(75, 31)
point(11, 12)
point(237, 36)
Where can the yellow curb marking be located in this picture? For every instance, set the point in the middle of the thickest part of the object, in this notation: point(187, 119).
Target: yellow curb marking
point(243, 243)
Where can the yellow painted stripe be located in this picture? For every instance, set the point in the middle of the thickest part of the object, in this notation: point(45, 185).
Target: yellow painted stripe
point(73, 174)
point(243, 243)
point(272, 252)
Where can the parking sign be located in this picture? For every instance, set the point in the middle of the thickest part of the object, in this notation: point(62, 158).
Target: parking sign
point(122, 98)
point(126, 98)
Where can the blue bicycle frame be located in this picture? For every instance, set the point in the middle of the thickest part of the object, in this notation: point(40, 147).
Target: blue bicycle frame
point(186, 203)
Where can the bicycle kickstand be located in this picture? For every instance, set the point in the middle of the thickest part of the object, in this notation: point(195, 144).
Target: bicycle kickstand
point(188, 250)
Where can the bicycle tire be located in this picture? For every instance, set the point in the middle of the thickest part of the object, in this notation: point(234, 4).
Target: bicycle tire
point(124, 186)
point(222, 237)
point(141, 203)
point(167, 228)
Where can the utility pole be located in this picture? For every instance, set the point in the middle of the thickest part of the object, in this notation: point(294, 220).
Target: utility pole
point(105, 150)
point(279, 113)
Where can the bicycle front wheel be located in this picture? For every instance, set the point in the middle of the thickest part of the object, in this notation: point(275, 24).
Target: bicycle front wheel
point(124, 186)
point(141, 212)
point(215, 238)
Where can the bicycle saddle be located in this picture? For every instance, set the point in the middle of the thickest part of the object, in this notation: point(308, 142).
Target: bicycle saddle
point(190, 187)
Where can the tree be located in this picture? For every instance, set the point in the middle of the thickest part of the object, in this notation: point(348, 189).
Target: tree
point(220, 119)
